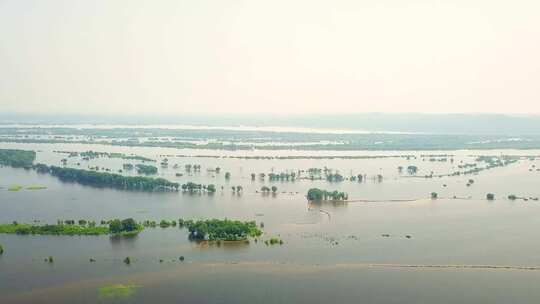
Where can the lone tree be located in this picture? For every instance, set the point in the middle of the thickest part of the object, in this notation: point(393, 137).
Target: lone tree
point(211, 188)
point(315, 194)
point(434, 195)
point(412, 169)
point(490, 196)
point(274, 189)
point(115, 226)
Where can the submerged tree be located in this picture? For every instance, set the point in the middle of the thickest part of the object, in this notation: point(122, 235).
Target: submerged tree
point(412, 169)
point(316, 194)
point(111, 180)
point(128, 225)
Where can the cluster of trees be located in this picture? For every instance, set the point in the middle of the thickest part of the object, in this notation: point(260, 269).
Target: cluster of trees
point(190, 167)
point(146, 169)
point(496, 161)
point(193, 187)
point(314, 171)
point(110, 180)
point(80, 222)
point(513, 197)
point(17, 158)
point(69, 227)
point(124, 227)
point(283, 176)
point(316, 194)
point(334, 177)
point(473, 168)
point(216, 170)
point(273, 241)
point(92, 154)
point(313, 174)
point(222, 230)
point(167, 224)
point(265, 189)
point(359, 178)
point(237, 189)
point(412, 169)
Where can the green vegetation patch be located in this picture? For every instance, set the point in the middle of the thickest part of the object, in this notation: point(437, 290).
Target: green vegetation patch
point(274, 241)
point(199, 188)
point(62, 229)
point(126, 227)
point(117, 291)
point(222, 230)
point(316, 194)
point(17, 158)
point(15, 188)
point(93, 154)
point(146, 169)
point(110, 180)
point(36, 187)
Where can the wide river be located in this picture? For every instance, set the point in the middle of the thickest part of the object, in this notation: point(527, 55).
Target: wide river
point(459, 248)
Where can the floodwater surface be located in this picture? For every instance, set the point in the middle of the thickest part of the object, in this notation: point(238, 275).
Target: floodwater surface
point(391, 244)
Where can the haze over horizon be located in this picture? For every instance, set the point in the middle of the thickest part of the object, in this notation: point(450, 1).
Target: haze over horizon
point(238, 57)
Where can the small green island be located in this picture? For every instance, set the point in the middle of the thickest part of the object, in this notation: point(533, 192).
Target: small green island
point(115, 227)
point(108, 180)
point(221, 230)
point(199, 230)
point(146, 169)
point(117, 291)
point(17, 158)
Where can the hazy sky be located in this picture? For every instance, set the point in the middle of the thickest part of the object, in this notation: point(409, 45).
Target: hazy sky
point(228, 56)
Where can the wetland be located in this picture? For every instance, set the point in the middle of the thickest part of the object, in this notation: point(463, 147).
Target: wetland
point(276, 222)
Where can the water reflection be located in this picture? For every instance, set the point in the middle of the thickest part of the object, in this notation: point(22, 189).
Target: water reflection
point(123, 242)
